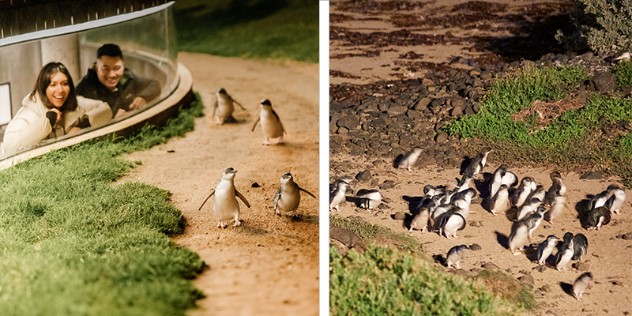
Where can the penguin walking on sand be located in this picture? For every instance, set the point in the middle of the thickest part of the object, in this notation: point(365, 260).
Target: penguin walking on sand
point(581, 284)
point(518, 237)
point(500, 201)
point(528, 208)
point(420, 220)
point(565, 252)
point(545, 248)
point(409, 159)
point(224, 107)
point(369, 199)
point(595, 218)
point(539, 193)
point(270, 123)
point(557, 188)
point(616, 200)
point(521, 195)
point(557, 206)
point(501, 176)
point(534, 220)
point(337, 192)
point(450, 224)
point(477, 164)
point(580, 246)
point(455, 255)
point(225, 199)
point(288, 196)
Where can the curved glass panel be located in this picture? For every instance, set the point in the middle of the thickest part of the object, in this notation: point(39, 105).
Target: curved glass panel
point(146, 38)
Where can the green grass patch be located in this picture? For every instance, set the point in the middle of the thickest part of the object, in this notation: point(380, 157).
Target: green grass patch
point(507, 288)
point(371, 233)
point(278, 29)
point(384, 281)
point(73, 243)
point(623, 73)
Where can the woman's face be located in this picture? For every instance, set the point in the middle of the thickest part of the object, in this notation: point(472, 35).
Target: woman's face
point(58, 89)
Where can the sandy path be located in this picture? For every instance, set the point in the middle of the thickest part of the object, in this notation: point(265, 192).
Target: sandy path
point(269, 266)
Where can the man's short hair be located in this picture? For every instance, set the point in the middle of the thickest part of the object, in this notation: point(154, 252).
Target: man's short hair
point(111, 50)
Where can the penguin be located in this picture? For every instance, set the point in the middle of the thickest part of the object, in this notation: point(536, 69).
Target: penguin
point(557, 188)
point(420, 220)
point(224, 108)
point(616, 200)
point(463, 184)
point(225, 199)
point(557, 206)
point(545, 248)
point(625, 56)
point(500, 201)
point(565, 252)
point(580, 246)
point(438, 213)
point(599, 199)
point(528, 208)
point(477, 164)
point(288, 196)
point(518, 237)
point(595, 218)
point(462, 200)
point(502, 176)
point(451, 223)
point(539, 193)
point(455, 255)
point(270, 123)
point(534, 220)
point(337, 192)
point(369, 199)
point(581, 284)
point(409, 159)
point(527, 185)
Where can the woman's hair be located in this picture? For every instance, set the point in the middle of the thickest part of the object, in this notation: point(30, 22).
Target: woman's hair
point(43, 81)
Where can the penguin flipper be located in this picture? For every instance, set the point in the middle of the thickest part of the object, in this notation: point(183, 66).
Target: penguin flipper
point(241, 106)
point(306, 192)
point(215, 108)
point(255, 124)
point(242, 197)
point(280, 123)
point(208, 197)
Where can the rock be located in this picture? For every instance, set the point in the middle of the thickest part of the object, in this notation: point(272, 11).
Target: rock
point(490, 266)
point(396, 110)
point(581, 266)
point(347, 237)
point(604, 82)
point(527, 278)
point(364, 176)
point(475, 247)
point(592, 175)
point(422, 105)
point(399, 216)
point(456, 111)
point(626, 236)
point(441, 138)
point(388, 184)
point(348, 121)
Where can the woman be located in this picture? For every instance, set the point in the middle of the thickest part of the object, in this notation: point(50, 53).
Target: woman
point(51, 110)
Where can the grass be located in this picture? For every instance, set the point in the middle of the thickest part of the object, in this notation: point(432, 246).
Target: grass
point(384, 281)
point(376, 233)
point(74, 243)
point(586, 137)
point(278, 29)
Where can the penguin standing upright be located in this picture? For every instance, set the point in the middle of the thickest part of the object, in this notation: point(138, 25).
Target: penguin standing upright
point(500, 201)
point(557, 188)
point(545, 248)
point(534, 220)
point(521, 195)
point(409, 159)
point(477, 164)
point(557, 206)
point(270, 123)
point(337, 192)
point(224, 107)
point(420, 220)
point(518, 237)
point(580, 246)
point(528, 208)
point(451, 223)
point(615, 202)
point(288, 196)
point(225, 199)
point(583, 282)
point(501, 176)
point(455, 255)
point(565, 252)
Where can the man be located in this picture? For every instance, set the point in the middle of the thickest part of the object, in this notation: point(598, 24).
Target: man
point(108, 80)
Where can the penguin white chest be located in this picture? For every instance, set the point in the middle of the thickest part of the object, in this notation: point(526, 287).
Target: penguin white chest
point(225, 200)
point(225, 107)
point(270, 124)
point(289, 199)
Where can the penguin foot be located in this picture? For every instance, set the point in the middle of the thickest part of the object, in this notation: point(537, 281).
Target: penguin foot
point(221, 224)
point(237, 223)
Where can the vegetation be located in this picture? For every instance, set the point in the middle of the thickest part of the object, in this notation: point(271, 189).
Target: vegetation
point(279, 29)
point(580, 132)
point(74, 243)
point(376, 233)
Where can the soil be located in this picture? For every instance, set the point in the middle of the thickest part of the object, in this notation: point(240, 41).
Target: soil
point(269, 264)
point(394, 65)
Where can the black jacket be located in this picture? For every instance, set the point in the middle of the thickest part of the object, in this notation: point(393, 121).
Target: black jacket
point(130, 87)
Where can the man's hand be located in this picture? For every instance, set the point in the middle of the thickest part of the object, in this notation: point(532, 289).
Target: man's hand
point(138, 103)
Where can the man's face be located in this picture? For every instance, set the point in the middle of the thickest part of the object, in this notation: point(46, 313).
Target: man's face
point(110, 70)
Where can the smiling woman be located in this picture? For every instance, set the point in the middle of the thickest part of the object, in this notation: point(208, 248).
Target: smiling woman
point(70, 34)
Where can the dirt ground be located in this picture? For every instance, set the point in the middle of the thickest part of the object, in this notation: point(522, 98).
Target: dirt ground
point(269, 265)
point(608, 255)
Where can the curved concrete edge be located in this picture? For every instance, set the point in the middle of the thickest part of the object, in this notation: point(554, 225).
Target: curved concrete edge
point(157, 115)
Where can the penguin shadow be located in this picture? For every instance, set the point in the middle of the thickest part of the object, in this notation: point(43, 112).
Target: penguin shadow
point(567, 288)
point(440, 259)
point(464, 164)
point(304, 218)
point(414, 205)
point(482, 185)
point(398, 160)
point(582, 207)
point(531, 251)
point(252, 231)
point(502, 239)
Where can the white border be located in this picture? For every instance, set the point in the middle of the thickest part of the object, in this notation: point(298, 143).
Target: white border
point(10, 40)
point(323, 235)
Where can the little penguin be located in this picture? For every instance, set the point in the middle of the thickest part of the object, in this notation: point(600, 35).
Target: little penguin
point(225, 199)
point(557, 206)
point(451, 223)
point(288, 196)
point(580, 246)
point(337, 193)
point(545, 248)
point(455, 255)
point(477, 164)
point(270, 123)
point(420, 220)
point(557, 188)
point(224, 108)
point(528, 208)
point(369, 199)
point(581, 284)
point(518, 237)
point(539, 193)
point(501, 176)
point(615, 202)
point(565, 252)
point(534, 220)
point(500, 201)
point(595, 218)
point(521, 195)
point(409, 159)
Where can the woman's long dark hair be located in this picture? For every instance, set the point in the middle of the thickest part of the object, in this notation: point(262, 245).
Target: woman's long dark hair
point(43, 81)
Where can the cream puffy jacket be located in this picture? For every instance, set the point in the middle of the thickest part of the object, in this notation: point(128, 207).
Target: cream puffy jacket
point(30, 126)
